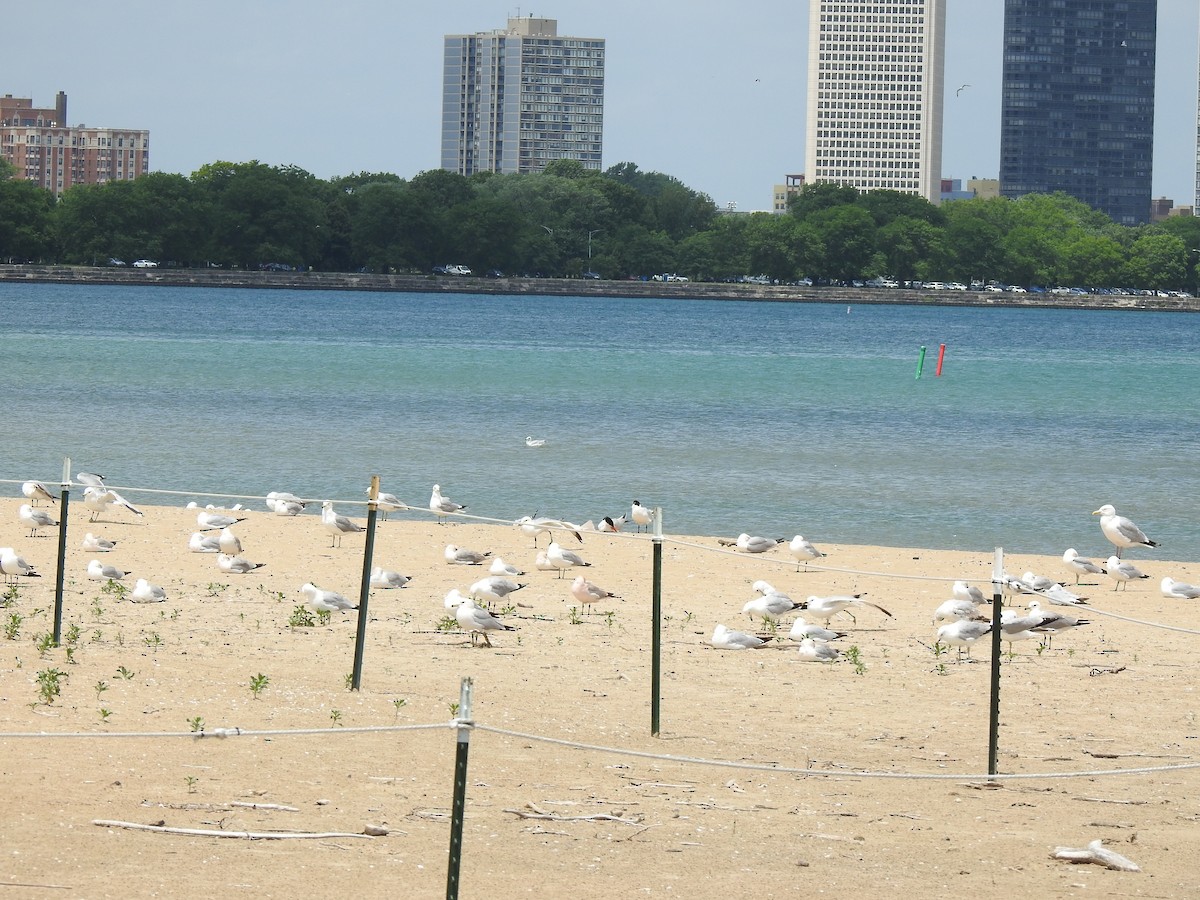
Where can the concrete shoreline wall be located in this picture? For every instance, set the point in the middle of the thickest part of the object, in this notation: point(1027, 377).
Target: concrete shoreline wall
point(573, 287)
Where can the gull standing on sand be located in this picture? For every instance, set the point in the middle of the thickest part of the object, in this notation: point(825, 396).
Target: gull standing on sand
point(93, 544)
point(99, 500)
point(200, 542)
point(461, 556)
point(771, 606)
point(478, 621)
point(453, 599)
point(802, 630)
point(36, 491)
point(825, 608)
point(33, 519)
point(1051, 623)
point(962, 634)
point(388, 503)
point(641, 516)
point(145, 592)
point(388, 579)
point(233, 564)
point(283, 503)
point(324, 601)
point(1015, 628)
point(563, 559)
point(755, 544)
point(98, 571)
point(536, 525)
point(1178, 590)
point(1122, 572)
point(1080, 565)
point(727, 639)
point(586, 593)
point(1121, 532)
point(14, 566)
point(814, 651)
point(493, 589)
point(215, 521)
point(337, 525)
point(442, 506)
point(804, 551)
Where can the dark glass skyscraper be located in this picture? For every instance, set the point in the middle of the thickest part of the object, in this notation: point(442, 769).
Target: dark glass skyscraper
point(1078, 102)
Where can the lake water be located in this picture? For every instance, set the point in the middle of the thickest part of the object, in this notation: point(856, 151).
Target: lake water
point(771, 418)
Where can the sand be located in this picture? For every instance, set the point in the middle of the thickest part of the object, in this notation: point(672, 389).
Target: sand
point(1111, 695)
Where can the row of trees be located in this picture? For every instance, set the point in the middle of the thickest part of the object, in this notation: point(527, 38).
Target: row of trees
point(622, 222)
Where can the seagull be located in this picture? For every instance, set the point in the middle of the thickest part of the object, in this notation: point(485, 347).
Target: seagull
point(98, 571)
point(563, 559)
point(284, 504)
point(1038, 582)
point(229, 543)
point(13, 565)
point(324, 601)
point(442, 506)
point(36, 491)
point(1080, 565)
point(802, 630)
point(542, 562)
point(204, 543)
point(337, 525)
point(145, 592)
point(641, 516)
point(1015, 628)
point(94, 544)
point(962, 634)
point(388, 579)
point(531, 441)
point(461, 556)
point(494, 588)
point(1051, 622)
point(586, 592)
point(771, 606)
point(89, 479)
point(99, 499)
point(389, 503)
point(478, 621)
point(609, 525)
point(215, 521)
point(454, 599)
point(1121, 532)
point(963, 591)
point(755, 544)
point(803, 551)
point(1178, 590)
point(726, 639)
point(955, 610)
point(236, 565)
point(1122, 572)
point(765, 587)
point(500, 567)
point(535, 525)
point(825, 608)
point(961, 89)
point(33, 519)
point(814, 651)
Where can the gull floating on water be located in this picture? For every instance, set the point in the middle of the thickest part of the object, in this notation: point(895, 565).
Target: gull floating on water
point(727, 639)
point(98, 571)
point(825, 608)
point(641, 516)
point(500, 567)
point(204, 543)
point(1080, 565)
point(531, 441)
point(494, 589)
point(388, 579)
point(478, 621)
point(94, 544)
point(804, 551)
point(13, 566)
point(442, 506)
point(563, 559)
point(802, 630)
point(1121, 532)
point(36, 491)
point(1122, 572)
point(1179, 590)
point(145, 592)
point(586, 592)
point(324, 601)
point(33, 518)
point(235, 564)
point(215, 521)
point(461, 556)
point(337, 525)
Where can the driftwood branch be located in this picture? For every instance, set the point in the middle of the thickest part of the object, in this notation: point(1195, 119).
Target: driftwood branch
point(245, 835)
point(532, 812)
point(272, 806)
point(1095, 852)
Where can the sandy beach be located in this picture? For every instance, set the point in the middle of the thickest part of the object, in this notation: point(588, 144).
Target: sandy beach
point(548, 819)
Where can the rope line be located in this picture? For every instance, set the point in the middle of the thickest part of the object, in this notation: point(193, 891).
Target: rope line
point(230, 732)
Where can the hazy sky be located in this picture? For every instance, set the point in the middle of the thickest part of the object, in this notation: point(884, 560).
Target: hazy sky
point(713, 94)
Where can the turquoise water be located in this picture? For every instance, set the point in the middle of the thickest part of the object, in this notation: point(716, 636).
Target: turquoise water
point(770, 418)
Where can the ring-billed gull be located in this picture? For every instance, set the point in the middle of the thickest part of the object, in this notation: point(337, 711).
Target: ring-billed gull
point(1080, 565)
point(563, 559)
point(500, 567)
point(461, 556)
point(825, 608)
point(536, 525)
point(963, 591)
point(771, 606)
point(36, 491)
point(1014, 627)
point(1122, 572)
point(962, 634)
point(324, 601)
point(802, 629)
point(494, 588)
point(337, 525)
point(95, 544)
point(586, 592)
point(34, 518)
point(145, 592)
point(442, 506)
point(388, 579)
point(804, 551)
point(453, 598)
point(229, 542)
point(235, 564)
point(727, 639)
point(200, 542)
point(812, 650)
point(98, 571)
point(640, 516)
point(542, 562)
point(1051, 623)
point(752, 543)
point(1121, 532)
point(13, 566)
point(389, 503)
point(1178, 590)
point(100, 499)
point(953, 609)
point(478, 621)
point(207, 520)
point(283, 503)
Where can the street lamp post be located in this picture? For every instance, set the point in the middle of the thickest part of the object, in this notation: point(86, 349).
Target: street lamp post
point(590, 233)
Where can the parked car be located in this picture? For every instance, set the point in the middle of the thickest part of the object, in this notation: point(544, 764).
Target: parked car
point(440, 270)
point(594, 276)
point(458, 270)
point(494, 273)
point(113, 261)
point(145, 264)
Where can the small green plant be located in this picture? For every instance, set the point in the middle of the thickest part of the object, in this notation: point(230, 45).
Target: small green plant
point(174, 614)
point(453, 710)
point(101, 687)
point(348, 681)
point(44, 643)
point(191, 781)
point(125, 673)
point(50, 684)
point(854, 656)
point(610, 618)
point(258, 684)
point(399, 704)
point(216, 590)
point(12, 625)
point(335, 716)
point(508, 610)
point(939, 650)
point(770, 626)
point(573, 616)
point(97, 609)
point(115, 589)
point(301, 617)
point(1040, 649)
point(447, 623)
point(196, 724)
point(73, 634)
point(11, 592)
point(104, 714)
point(97, 636)
point(152, 640)
point(70, 651)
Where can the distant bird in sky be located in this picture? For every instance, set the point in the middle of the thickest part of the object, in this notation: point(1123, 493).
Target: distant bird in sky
point(961, 89)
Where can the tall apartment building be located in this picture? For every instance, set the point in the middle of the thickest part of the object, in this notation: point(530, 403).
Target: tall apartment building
point(45, 150)
point(875, 81)
point(517, 99)
point(1077, 113)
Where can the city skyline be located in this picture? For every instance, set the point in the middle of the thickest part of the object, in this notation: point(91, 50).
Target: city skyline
point(714, 100)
